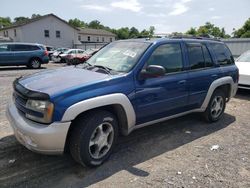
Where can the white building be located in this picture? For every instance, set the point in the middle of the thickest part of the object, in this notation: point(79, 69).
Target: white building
point(51, 30)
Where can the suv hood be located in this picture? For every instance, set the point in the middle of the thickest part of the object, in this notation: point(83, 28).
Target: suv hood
point(55, 81)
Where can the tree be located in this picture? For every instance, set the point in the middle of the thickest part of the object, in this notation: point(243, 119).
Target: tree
point(192, 31)
point(5, 22)
point(123, 33)
point(133, 32)
point(20, 19)
point(151, 30)
point(244, 31)
point(35, 16)
point(208, 29)
point(77, 23)
point(95, 24)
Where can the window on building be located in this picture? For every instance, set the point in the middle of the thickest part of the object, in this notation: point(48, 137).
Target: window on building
point(88, 38)
point(110, 39)
point(79, 37)
point(102, 39)
point(97, 39)
point(46, 33)
point(5, 34)
point(58, 34)
point(15, 32)
point(222, 53)
point(168, 56)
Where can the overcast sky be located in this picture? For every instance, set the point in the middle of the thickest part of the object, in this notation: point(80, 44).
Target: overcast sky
point(166, 15)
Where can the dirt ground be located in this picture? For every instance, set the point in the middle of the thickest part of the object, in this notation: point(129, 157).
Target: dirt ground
point(175, 153)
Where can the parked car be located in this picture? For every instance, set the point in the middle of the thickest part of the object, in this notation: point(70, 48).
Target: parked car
point(243, 63)
point(50, 50)
point(16, 54)
point(71, 54)
point(125, 86)
point(81, 57)
point(55, 56)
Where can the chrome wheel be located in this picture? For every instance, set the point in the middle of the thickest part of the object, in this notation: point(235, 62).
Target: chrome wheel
point(217, 106)
point(35, 63)
point(101, 140)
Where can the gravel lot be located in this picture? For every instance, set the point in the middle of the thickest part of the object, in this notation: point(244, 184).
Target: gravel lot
point(174, 153)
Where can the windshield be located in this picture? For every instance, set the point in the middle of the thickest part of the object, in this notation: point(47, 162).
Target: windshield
point(245, 57)
point(119, 56)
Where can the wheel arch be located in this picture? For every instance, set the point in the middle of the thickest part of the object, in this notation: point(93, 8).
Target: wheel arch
point(226, 84)
point(118, 104)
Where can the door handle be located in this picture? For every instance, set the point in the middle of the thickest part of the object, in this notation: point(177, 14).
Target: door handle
point(182, 82)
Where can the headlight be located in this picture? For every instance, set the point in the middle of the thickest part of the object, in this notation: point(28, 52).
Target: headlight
point(40, 111)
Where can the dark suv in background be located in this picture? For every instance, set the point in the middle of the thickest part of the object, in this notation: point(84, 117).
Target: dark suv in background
point(15, 54)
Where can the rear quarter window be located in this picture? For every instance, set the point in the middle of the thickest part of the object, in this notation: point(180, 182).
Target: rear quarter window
point(222, 53)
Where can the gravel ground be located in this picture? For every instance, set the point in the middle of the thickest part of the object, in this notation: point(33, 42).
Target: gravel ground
point(175, 153)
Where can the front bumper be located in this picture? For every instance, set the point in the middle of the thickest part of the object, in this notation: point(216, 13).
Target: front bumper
point(46, 139)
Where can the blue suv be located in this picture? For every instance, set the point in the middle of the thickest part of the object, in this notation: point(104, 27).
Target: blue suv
point(15, 54)
point(125, 86)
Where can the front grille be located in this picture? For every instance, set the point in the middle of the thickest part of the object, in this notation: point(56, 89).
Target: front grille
point(20, 102)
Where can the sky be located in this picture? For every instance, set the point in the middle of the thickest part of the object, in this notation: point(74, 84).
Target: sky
point(166, 16)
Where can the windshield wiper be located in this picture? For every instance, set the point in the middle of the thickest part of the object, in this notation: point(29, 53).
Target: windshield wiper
point(107, 69)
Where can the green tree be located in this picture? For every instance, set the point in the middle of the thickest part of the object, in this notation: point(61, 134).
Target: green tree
point(244, 31)
point(35, 16)
point(5, 22)
point(208, 29)
point(77, 23)
point(192, 31)
point(95, 24)
point(151, 31)
point(123, 33)
point(133, 32)
point(20, 19)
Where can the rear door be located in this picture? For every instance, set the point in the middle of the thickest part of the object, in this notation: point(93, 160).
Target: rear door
point(23, 53)
point(6, 55)
point(202, 72)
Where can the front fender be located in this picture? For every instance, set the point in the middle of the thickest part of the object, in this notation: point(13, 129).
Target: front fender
point(118, 98)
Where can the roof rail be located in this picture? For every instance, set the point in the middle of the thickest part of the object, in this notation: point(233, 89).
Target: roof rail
point(202, 37)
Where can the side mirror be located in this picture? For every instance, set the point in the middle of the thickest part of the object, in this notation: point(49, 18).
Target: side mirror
point(152, 71)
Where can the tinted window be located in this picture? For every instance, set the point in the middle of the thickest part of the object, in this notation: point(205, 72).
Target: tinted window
point(222, 53)
point(22, 47)
point(207, 57)
point(4, 48)
point(195, 54)
point(168, 56)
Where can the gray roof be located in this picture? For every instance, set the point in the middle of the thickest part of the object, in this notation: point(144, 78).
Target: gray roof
point(33, 20)
point(101, 32)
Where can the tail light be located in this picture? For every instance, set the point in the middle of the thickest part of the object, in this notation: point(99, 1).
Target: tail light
point(46, 53)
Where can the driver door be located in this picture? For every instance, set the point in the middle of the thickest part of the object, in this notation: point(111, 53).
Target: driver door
point(167, 95)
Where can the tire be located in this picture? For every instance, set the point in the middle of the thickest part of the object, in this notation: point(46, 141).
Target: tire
point(216, 106)
point(93, 137)
point(62, 60)
point(35, 63)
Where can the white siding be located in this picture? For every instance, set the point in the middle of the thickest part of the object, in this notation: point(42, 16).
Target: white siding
point(34, 33)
